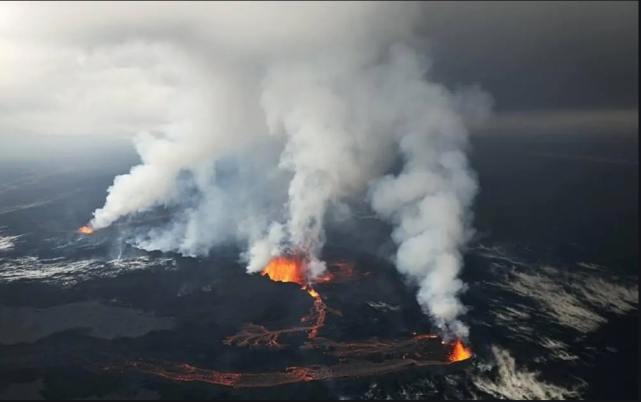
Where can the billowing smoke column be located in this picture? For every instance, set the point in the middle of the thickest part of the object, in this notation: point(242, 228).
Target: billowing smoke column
point(302, 106)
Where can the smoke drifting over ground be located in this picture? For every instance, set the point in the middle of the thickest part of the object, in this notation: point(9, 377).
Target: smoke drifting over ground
point(285, 110)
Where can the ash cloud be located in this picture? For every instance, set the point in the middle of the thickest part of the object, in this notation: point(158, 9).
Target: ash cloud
point(277, 113)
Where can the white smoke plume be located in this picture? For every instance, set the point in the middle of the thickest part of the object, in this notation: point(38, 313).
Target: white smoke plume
point(429, 201)
point(283, 111)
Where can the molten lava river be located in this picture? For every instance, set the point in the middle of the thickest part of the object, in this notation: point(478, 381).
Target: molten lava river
point(396, 354)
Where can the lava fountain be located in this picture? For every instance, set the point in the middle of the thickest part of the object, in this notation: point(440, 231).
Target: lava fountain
point(284, 269)
point(294, 270)
point(85, 230)
point(459, 352)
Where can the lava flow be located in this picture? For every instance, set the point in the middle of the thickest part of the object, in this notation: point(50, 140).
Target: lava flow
point(392, 355)
point(398, 355)
point(284, 269)
point(459, 352)
point(85, 230)
point(294, 269)
point(360, 368)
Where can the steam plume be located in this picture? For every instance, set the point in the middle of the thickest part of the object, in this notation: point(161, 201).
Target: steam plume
point(304, 117)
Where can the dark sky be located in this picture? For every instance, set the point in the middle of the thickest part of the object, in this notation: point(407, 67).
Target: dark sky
point(540, 56)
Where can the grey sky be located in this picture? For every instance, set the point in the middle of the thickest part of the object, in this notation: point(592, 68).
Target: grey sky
point(542, 55)
point(76, 68)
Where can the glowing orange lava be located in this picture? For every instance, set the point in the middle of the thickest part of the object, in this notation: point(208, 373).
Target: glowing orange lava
point(294, 269)
point(313, 293)
point(459, 352)
point(85, 230)
point(283, 269)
